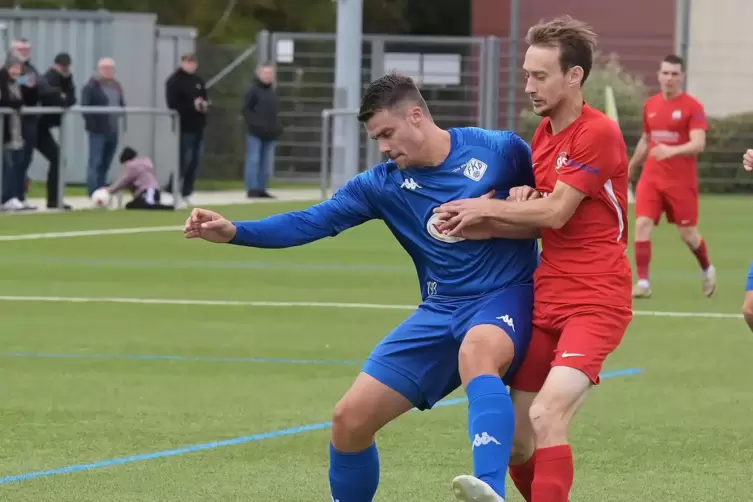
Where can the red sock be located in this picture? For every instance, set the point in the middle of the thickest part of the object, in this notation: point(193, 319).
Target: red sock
point(642, 258)
point(522, 476)
point(702, 255)
point(554, 474)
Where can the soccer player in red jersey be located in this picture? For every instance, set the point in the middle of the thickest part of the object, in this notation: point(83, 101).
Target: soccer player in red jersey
point(674, 132)
point(582, 292)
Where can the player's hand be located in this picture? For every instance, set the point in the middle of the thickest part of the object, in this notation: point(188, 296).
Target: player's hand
point(519, 194)
point(748, 160)
point(465, 213)
point(208, 225)
point(662, 152)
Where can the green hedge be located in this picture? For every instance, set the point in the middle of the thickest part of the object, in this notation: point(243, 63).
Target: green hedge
point(719, 167)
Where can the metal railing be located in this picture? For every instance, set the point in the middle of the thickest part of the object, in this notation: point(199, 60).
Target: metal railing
point(121, 112)
point(324, 173)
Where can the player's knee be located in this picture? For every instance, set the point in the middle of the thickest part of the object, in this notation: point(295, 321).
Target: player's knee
point(485, 350)
point(351, 427)
point(690, 236)
point(548, 420)
point(643, 228)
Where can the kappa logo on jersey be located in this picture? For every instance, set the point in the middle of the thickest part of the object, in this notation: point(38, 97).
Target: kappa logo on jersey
point(410, 184)
point(507, 320)
point(432, 226)
point(474, 169)
point(484, 439)
point(561, 161)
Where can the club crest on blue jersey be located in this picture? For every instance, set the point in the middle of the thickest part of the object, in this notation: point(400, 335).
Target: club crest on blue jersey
point(474, 169)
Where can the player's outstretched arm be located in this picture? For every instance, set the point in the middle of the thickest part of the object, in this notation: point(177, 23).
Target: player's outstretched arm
point(347, 208)
point(639, 157)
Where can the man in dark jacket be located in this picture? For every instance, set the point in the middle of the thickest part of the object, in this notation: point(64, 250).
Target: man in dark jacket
point(261, 110)
point(186, 93)
point(60, 79)
point(103, 129)
point(34, 89)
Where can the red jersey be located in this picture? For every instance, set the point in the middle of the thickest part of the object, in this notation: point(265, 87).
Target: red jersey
point(584, 262)
point(669, 121)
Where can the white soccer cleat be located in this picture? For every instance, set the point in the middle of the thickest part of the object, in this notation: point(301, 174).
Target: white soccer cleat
point(709, 282)
point(471, 489)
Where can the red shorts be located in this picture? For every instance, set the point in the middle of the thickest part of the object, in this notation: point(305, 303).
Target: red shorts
point(579, 337)
point(680, 203)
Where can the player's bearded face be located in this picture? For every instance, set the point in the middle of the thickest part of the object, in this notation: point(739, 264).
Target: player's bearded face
point(398, 135)
point(546, 85)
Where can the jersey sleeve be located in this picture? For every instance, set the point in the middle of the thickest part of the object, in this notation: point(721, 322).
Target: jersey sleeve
point(697, 116)
point(595, 158)
point(520, 153)
point(350, 206)
point(646, 129)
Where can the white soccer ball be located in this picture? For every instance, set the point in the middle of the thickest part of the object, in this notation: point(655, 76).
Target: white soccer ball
point(101, 198)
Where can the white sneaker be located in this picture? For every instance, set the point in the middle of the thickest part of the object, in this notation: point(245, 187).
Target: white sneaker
point(188, 200)
point(13, 205)
point(28, 205)
point(471, 489)
point(180, 204)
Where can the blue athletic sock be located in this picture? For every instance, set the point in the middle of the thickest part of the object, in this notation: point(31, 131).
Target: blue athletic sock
point(354, 477)
point(491, 423)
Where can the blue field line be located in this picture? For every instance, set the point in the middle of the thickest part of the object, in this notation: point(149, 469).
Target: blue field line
point(231, 442)
point(157, 357)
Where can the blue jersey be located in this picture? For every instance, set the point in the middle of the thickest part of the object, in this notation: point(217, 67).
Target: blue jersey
point(450, 267)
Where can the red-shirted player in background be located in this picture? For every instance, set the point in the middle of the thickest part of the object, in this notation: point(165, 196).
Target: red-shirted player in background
point(582, 296)
point(674, 132)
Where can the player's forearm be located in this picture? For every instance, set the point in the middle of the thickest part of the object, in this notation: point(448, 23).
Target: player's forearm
point(693, 147)
point(279, 231)
point(639, 156)
point(537, 213)
point(499, 229)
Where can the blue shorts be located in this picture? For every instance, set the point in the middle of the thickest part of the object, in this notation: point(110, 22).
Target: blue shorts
point(749, 286)
point(419, 359)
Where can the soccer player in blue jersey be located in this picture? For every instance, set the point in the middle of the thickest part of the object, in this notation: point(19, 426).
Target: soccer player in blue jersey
point(474, 323)
point(748, 303)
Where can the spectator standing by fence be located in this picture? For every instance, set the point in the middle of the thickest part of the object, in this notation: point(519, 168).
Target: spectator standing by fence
point(102, 90)
point(261, 111)
point(11, 96)
point(59, 78)
point(186, 93)
point(34, 88)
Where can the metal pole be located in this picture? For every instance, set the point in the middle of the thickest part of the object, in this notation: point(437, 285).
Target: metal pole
point(684, 7)
point(61, 163)
point(324, 168)
point(175, 175)
point(347, 88)
point(512, 75)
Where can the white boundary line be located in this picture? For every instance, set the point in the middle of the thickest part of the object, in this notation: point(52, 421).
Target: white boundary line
point(88, 233)
point(335, 305)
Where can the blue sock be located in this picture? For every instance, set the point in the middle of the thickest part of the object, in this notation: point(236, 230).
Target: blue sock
point(491, 424)
point(354, 477)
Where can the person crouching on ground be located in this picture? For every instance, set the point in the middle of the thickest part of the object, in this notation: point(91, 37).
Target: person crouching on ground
point(138, 176)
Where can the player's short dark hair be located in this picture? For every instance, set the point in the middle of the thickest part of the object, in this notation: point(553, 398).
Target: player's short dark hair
point(575, 39)
point(674, 59)
point(389, 92)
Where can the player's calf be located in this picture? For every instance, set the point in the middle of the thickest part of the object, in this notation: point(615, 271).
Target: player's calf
point(643, 228)
point(486, 353)
point(522, 456)
point(354, 460)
